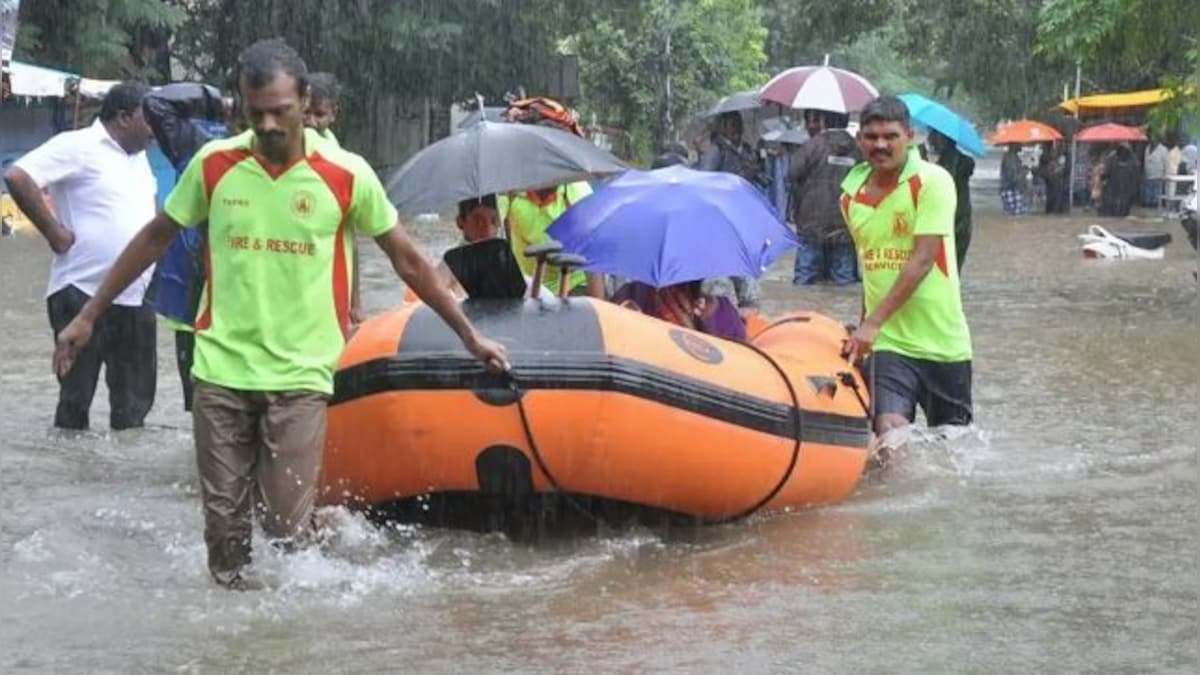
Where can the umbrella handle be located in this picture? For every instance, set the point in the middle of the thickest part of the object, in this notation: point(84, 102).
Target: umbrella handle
point(540, 252)
point(566, 263)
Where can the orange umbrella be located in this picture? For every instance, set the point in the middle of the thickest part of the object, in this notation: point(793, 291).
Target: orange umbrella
point(1111, 133)
point(1025, 131)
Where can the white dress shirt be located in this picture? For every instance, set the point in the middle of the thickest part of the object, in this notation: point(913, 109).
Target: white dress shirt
point(103, 195)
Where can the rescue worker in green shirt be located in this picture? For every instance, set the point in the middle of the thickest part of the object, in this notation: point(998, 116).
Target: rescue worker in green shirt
point(274, 313)
point(527, 216)
point(323, 107)
point(322, 113)
point(900, 211)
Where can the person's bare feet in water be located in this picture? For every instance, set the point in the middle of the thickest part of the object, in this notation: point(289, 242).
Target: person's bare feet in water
point(884, 447)
point(878, 460)
point(238, 580)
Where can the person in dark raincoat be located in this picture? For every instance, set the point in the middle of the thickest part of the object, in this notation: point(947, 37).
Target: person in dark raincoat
point(1054, 169)
point(960, 167)
point(183, 116)
point(1121, 179)
point(826, 251)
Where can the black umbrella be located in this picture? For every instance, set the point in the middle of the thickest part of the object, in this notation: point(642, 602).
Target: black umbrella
point(490, 158)
point(169, 110)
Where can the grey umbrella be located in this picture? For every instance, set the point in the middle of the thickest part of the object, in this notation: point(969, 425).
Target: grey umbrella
point(493, 114)
point(742, 100)
point(489, 158)
point(755, 114)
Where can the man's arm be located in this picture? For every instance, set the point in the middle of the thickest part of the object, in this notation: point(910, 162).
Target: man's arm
point(28, 197)
point(143, 250)
point(450, 280)
point(925, 250)
point(424, 280)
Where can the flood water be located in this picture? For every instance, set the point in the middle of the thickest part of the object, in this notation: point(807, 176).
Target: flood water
point(1060, 536)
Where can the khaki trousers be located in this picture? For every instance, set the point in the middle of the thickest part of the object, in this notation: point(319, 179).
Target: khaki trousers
point(261, 445)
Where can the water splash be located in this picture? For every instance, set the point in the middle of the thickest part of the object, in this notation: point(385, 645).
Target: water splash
point(919, 452)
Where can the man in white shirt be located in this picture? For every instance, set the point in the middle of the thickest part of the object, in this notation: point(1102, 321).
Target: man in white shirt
point(1174, 160)
point(1154, 170)
point(103, 191)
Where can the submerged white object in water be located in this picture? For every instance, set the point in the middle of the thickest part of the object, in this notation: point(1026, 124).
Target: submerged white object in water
point(1100, 243)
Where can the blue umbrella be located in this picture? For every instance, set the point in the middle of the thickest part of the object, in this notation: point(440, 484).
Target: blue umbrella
point(675, 225)
point(931, 114)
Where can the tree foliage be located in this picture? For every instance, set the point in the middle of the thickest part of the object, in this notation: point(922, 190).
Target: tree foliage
point(650, 65)
point(985, 49)
point(802, 32)
point(107, 38)
point(645, 65)
point(1131, 44)
point(1121, 44)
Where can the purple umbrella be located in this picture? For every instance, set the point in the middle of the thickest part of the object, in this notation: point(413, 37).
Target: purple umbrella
point(675, 225)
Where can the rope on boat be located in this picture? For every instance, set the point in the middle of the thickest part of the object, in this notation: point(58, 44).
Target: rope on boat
point(514, 385)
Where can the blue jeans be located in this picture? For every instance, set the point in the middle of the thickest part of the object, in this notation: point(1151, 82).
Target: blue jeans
point(823, 260)
point(1152, 188)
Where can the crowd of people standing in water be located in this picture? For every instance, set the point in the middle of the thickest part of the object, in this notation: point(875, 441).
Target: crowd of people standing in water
point(267, 216)
point(1110, 178)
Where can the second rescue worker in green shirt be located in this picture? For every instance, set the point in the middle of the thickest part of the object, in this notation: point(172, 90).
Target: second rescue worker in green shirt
point(900, 211)
point(281, 205)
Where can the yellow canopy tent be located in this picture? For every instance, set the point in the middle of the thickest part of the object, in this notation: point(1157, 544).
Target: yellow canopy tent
point(1101, 104)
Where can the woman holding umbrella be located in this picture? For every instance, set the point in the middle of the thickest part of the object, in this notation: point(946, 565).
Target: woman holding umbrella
point(1013, 181)
point(684, 304)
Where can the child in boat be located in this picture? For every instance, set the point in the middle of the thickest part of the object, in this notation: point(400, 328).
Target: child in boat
point(684, 305)
point(478, 221)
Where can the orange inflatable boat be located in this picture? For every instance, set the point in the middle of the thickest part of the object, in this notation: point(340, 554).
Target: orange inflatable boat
point(603, 404)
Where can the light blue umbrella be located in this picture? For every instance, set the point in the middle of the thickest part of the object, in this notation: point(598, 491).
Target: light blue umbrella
point(933, 115)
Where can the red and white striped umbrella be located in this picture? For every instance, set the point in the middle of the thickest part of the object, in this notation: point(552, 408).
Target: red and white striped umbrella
point(819, 88)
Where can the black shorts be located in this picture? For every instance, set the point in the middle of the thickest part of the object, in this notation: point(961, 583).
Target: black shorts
point(943, 390)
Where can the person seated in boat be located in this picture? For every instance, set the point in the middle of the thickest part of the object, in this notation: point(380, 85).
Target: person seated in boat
point(684, 305)
point(478, 221)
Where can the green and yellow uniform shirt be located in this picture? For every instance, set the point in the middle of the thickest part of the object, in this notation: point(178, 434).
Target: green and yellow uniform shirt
point(275, 307)
point(931, 324)
point(529, 217)
point(330, 137)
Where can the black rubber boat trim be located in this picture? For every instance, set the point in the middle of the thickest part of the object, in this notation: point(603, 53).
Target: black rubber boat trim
point(582, 371)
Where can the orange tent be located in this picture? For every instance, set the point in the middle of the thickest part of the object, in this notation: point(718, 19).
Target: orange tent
point(1025, 131)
